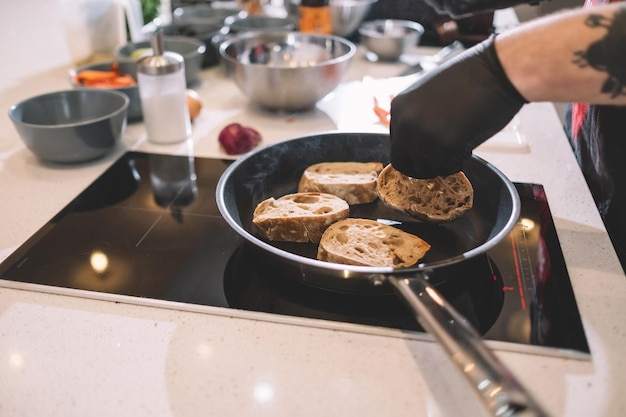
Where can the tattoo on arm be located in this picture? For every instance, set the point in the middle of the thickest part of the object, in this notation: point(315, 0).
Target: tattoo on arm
point(609, 53)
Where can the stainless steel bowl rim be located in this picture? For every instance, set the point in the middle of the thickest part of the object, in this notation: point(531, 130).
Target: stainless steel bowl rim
point(341, 2)
point(368, 28)
point(256, 17)
point(286, 34)
point(78, 90)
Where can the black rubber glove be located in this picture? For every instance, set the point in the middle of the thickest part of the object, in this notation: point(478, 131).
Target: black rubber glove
point(464, 8)
point(439, 120)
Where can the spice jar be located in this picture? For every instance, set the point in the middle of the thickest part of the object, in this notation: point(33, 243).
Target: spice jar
point(314, 16)
point(162, 89)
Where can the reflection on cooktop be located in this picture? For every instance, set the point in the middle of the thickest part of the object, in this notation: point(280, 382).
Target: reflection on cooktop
point(255, 281)
point(149, 227)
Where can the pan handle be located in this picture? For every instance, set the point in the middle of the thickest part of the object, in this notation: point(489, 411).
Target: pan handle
point(500, 391)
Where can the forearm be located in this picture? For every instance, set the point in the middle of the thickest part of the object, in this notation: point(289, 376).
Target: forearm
point(577, 55)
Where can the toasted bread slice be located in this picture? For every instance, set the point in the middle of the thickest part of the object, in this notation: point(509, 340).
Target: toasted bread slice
point(299, 217)
point(366, 242)
point(436, 200)
point(355, 182)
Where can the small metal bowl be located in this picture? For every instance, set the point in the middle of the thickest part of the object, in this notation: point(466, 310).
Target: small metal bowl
point(192, 50)
point(345, 15)
point(71, 126)
point(135, 113)
point(199, 16)
point(259, 23)
point(389, 39)
point(287, 70)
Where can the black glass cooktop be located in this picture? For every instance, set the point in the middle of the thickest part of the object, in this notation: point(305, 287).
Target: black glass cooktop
point(149, 228)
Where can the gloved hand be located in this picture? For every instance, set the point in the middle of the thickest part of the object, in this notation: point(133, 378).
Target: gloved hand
point(464, 8)
point(439, 120)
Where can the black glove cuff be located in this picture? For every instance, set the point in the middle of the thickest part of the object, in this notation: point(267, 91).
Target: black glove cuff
point(492, 58)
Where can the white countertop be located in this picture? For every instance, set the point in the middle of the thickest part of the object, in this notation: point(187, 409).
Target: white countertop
point(70, 356)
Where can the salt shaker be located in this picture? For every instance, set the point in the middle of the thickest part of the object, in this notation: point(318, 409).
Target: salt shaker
point(162, 88)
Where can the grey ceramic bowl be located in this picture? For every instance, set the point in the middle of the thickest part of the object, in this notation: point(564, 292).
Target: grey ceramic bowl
point(71, 126)
point(192, 50)
point(203, 33)
point(287, 70)
point(389, 39)
point(129, 67)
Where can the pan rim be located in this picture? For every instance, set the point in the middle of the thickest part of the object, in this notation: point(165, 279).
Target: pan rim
point(348, 270)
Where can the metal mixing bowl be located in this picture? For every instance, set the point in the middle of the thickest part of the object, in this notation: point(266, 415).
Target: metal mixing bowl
point(345, 15)
point(287, 70)
point(199, 16)
point(71, 126)
point(259, 23)
point(389, 39)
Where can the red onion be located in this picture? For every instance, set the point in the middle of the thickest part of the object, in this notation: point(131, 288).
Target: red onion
point(238, 139)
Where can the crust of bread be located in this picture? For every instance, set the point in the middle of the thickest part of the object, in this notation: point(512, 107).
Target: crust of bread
point(436, 200)
point(354, 182)
point(366, 242)
point(299, 217)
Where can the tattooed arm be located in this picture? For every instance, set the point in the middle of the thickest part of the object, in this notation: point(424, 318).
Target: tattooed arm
point(571, 56)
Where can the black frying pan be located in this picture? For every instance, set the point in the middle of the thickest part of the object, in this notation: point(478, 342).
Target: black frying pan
point(275, 170)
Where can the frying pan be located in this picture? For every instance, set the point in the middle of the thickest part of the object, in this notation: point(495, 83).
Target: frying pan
point(275, 170)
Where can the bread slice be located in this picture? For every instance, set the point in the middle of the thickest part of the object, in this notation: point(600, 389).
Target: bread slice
point(369, 243)
point(355, 182)
point(436, 200)
point(299, 217)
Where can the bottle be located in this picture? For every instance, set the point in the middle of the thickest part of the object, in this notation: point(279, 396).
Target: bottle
point(314, 16)
point(163, 89)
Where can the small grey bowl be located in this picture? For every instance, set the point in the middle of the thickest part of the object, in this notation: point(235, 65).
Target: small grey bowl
point(203, 33)
point(288, 71)
point(129, 67)
point(192, 50)
point(71, 126)
point(389, 39)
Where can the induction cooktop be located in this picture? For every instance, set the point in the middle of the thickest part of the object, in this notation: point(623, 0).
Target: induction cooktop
point(148, 232)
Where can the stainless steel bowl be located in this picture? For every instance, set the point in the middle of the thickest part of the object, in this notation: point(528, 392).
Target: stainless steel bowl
point(199, 16)
point(259, 23)
point(287, 70)
point(129, 67)
point(389, 39)
point(71, 126)
point(346, 15)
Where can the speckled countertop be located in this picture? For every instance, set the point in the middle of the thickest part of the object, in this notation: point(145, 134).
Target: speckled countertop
point(66, 356)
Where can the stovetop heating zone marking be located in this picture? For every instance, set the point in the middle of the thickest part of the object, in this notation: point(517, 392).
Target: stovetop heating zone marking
point(523, 265)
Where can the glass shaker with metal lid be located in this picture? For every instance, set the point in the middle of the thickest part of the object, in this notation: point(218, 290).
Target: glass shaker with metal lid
point(162, 88)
